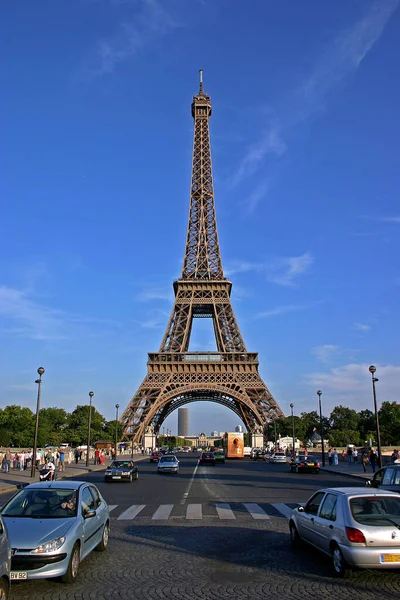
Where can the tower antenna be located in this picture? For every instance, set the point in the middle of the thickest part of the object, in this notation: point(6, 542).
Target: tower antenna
point(201, 80)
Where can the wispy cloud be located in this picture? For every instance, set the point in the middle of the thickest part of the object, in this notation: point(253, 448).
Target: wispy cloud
point(326, 352)
point(362, 326)
point(154, 294)
point(151, 22)
point(279, 310)
point(282, 271)
point(389, 219)
point(37, 321)
point(337, 62)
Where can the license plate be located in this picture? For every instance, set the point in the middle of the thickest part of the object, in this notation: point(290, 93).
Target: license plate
point(390, 558)
point(310, 464)
point(19, 575)
point(116, 477)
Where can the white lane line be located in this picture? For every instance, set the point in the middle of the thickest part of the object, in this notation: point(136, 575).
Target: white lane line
point(162, 512)
point(194, 511)
point(256, 511)
point(112, 506)
point(131, 512)
point(285, 510)
point(186, 494)
point(224, 511)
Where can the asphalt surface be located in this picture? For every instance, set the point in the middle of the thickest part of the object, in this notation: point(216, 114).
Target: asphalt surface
point(210, 533)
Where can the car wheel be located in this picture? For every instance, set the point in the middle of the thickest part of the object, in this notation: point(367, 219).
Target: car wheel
point(297, 469)
point(73, 566)
point(4, 589)
point(339, 565)
point(102, 547)
point(130, 478)
point(295, 539)
point(137, 475)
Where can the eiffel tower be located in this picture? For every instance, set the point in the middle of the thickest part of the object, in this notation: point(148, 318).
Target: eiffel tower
point(176, 376)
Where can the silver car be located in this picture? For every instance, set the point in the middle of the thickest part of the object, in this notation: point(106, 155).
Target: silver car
point(52, 526)
point(168, 464)
point(5, 561)
point(278, 457)
point(354, 526)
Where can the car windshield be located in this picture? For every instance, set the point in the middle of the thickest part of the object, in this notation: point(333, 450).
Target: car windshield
point(376, 510)
point(120, 464)
point(307, 457)
point(35, 503)
point(280, 454)
point(168, 459)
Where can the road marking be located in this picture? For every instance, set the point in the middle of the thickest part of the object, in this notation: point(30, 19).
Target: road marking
point(224, 511)
point(162, 512)
point(256, 511)
point(194, 511)
point(131, 512)
point(186, 494)
point(285, 510)
point(112, 506)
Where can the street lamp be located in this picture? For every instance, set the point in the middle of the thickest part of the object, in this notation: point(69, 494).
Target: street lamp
point(294, 449)
point(39, 382)
point(91, 394)
point(319, 393)
point(372, 370)
point(116, 428)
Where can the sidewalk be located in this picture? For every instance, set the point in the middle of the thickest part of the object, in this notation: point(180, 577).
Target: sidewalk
point(350, 469)
point(12, 481)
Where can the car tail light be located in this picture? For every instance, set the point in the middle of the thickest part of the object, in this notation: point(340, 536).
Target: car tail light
point(302, 464)
point(355, 535)
point(318, 464)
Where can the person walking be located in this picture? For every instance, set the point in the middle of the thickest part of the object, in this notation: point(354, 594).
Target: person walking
point(62, 459)
point(364, 460)
point(76, 454)
point(22, 460)
point(372, 459)
point(330, 456)
point(7, 458)
point(335, 458)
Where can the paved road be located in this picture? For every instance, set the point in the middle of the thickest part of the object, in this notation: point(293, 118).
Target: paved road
point(210, 533)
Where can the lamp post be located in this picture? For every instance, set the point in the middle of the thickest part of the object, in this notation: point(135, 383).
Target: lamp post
point(39, 382)
point(116, 428)
point(319, 393)
point(372, 370)
point(91, 394)
point(294, 449)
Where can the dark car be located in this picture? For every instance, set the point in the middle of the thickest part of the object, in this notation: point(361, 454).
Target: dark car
point(207, 458)
point(305, 463)
point(155, 457)
point(258, 454)
point(387, 478)
point(121, 470)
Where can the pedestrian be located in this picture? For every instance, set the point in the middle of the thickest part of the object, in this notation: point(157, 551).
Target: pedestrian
point(22, 461)
point(350, 454)
point(372, 459)
point(7, 458)
point(97, 456)
point(76, 454)
point(343, 455)
point(330, 456)
point(364, 460)
point(335, 458)
point(355, 454)
point(62, 458)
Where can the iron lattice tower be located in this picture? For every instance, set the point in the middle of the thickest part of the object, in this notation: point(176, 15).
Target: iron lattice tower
point(176, 376)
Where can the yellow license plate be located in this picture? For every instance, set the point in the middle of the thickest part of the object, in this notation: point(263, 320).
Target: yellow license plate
point(310, 464)
point(390, 558)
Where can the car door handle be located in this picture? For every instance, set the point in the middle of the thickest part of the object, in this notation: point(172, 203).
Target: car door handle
point(330, 526)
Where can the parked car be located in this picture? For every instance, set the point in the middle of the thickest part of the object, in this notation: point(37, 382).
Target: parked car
point(353, 526)
point(207, 458)
point(219, 456)
point(387, 478)
point(53, 526)
point(155, 457)
point(305, 463)
point(121, 470)
point(168, 464)
point(277, 457)
point(5, 562)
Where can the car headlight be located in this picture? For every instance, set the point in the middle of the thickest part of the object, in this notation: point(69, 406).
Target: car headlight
point(125, 473)
point(49, 547)
point(108, 473)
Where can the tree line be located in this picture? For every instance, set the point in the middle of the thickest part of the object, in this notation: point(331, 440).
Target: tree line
point(343, 426)
point(56, 426)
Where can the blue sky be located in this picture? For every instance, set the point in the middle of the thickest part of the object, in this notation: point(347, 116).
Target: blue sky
point(95, 173)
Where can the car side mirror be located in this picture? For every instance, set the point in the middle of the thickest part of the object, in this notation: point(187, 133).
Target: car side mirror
point(368, 483)
point(88, 514)
point(301, 509)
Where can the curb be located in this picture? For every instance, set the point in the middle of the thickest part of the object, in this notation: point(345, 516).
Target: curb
point(361, 476)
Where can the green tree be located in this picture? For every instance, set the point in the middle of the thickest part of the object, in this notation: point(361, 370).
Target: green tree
point(389, 421)
point(343, 418)
point(17, 425)
point(342, 437)
point(366, 423)
point(52, 424)
point(109, 431)
point(77, 425)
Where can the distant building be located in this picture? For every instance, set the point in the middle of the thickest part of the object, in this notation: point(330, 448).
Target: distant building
point(239, 429)
point(183, 422)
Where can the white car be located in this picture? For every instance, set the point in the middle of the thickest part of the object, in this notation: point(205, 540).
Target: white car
point(278, 457)
point(168, 464)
